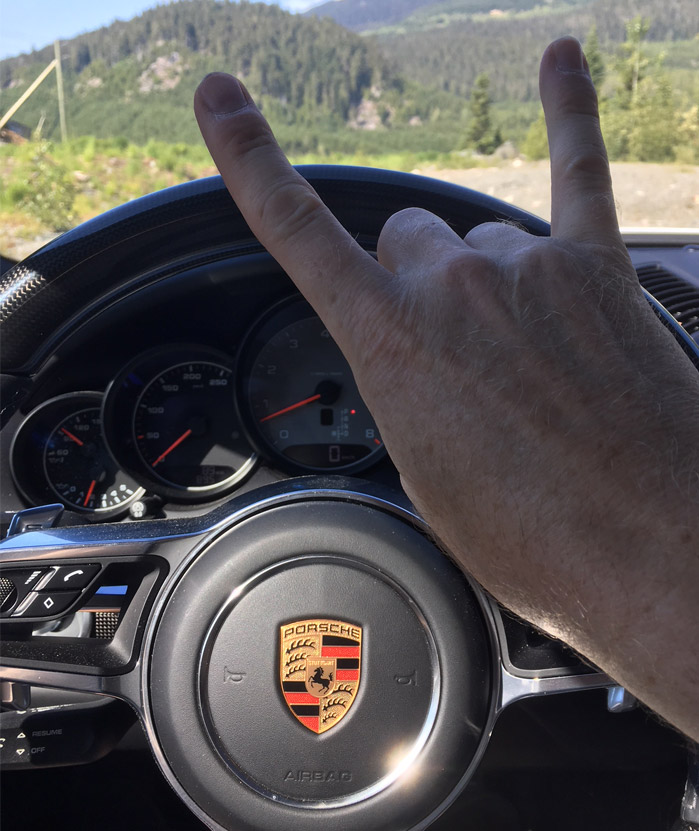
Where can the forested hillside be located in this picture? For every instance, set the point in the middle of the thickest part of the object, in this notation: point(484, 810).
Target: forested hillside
point(360, 14)
point(364, 15)
point(137, 78)
point(312, 76)
point(507, 47)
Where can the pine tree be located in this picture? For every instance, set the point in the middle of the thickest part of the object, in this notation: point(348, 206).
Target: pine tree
point(480, 131)
point(633, 64)
point(640, 122)
point(595, 60)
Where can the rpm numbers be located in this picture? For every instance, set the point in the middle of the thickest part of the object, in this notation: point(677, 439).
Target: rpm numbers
point(301, 398)
point(171, 420)
point(184, 427)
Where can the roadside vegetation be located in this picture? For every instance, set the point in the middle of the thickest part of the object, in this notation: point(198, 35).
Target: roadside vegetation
point(331, 95)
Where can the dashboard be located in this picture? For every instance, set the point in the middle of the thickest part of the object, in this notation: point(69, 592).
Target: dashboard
point(214, 383)
point(160, 418)
point(211, 379)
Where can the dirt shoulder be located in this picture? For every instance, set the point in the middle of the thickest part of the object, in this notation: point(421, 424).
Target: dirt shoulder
point(647, 195)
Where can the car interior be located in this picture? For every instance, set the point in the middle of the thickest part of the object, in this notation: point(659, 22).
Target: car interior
point(187, 469)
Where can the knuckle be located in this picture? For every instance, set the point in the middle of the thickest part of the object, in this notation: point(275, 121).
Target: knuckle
point(408, 217)
point(409, 223)
point(484, 233)
point(289, 208)
point(587, 162)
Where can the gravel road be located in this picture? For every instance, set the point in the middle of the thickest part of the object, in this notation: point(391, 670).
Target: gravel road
point(647, 195)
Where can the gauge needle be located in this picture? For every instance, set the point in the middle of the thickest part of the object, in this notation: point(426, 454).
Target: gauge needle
point(292, 407)
point(71, 436)
point(89, 491)
point(175, 444)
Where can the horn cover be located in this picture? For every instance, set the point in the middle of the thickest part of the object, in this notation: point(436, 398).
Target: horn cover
point(321, 664)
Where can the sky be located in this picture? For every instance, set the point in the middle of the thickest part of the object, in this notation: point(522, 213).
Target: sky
point(29, 24)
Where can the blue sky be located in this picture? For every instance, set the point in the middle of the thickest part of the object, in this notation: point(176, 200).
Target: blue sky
point(26, 24)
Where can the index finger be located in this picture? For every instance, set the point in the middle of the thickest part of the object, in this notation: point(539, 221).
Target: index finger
point(582, 202)
point(283, 211)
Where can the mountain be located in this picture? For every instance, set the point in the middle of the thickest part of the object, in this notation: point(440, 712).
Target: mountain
point(447, 52)
point(368, 15)
point(136, 78)
point(314, 78)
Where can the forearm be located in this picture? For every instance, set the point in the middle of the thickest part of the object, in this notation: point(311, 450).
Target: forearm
point(606, 556)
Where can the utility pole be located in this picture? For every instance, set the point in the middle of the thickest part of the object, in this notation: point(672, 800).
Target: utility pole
point(59, 85)
point(55, 64)
point(13, 109)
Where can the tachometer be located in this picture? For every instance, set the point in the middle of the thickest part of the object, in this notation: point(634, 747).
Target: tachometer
point(301, 399)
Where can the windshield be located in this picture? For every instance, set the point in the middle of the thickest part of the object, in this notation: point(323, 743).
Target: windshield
point(96, 99)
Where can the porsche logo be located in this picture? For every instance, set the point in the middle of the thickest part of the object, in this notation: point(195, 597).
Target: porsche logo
point(319, 669)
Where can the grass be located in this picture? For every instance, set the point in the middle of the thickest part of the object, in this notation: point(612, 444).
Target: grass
point(50, 187)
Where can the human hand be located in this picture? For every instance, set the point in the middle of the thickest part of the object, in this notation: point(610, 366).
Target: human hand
point(532, 404)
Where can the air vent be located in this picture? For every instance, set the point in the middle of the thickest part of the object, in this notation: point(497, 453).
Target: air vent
point(679, 297)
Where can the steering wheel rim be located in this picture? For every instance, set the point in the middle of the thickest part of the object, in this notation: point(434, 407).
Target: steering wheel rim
point(80, 274)
point(48, 291)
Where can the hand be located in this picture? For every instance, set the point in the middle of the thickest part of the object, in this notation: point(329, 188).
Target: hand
point(541, 419)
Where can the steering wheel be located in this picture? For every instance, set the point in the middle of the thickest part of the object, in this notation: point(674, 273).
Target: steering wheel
point(304, 656)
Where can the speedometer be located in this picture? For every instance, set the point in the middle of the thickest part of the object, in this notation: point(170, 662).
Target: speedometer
point(182, 426)
point(171, 420)
point(301, 398)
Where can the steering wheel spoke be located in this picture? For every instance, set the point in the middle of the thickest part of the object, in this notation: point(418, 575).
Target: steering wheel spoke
point(516, 687)
point(74, 602)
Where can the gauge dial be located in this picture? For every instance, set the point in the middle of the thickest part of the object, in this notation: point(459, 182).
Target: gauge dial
point(170, 419)
point(185, 428)
point(302, 400)
point(79, 468)
point(60, 451)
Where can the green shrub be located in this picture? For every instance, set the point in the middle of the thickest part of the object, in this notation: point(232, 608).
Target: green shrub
point(536, 143)
point(50, 192)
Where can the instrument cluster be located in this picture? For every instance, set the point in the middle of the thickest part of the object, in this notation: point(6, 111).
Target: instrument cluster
point(189, 423)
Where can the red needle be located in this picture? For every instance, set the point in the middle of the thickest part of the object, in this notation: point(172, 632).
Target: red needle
point(71, 436)
point(292, 407)
point(89, 491)
point(172, 447)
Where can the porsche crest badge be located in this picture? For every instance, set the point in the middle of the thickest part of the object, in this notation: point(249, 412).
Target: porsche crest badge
point(319, 669)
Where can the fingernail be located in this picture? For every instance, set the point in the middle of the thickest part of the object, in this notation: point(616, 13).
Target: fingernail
point(223, 93)
point(569, 55)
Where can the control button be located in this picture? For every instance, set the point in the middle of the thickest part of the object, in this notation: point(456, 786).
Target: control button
point(29, 578)
point(45, 604)
point(15, 584)
point(15, 696)
point(61, 578)
point(24, 578)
